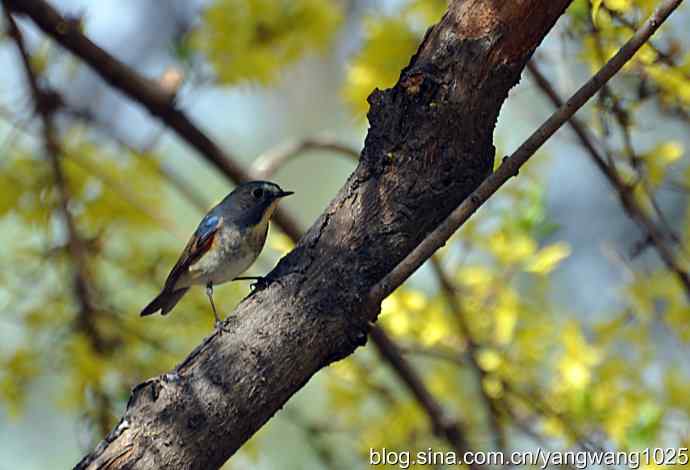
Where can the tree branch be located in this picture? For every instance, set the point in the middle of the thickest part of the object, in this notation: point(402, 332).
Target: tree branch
point(451, 295)
point(511, 165)
point(429, 146)
point(268, 163)
point(442, 425)
point(663, 56)
point(148, 93)
point(46, 103)
point(625, 193)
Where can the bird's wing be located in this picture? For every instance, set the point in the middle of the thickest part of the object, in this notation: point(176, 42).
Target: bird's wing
point(197, 246)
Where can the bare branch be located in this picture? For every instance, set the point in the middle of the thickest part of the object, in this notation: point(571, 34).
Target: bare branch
point(451, 295)
point(625, 193)
point(663, 56)
point(268, 163)
point(458, 358)
point(46, 103)
point(511, 165)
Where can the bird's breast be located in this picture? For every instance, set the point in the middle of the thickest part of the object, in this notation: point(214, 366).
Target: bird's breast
point(233, 251)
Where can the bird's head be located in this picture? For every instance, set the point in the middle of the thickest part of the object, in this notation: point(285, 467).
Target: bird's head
point(254, 202)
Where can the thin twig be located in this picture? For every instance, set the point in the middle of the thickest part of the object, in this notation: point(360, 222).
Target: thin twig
point(511, 165)
point(541, 407)
point(663, 56)
point(445, 354)
point(268, 163)
point(625, 193)
point(622, 119)
point(454, 303)
point(525, 428)
point(45, 107)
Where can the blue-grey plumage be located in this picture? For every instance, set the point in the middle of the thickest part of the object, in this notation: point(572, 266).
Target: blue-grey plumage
point(225, 244)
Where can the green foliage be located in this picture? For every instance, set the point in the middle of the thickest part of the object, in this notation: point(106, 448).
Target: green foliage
point(388, 45)
point(101, 353)
point(254, 39)
point(18, 369)
point(25, 187)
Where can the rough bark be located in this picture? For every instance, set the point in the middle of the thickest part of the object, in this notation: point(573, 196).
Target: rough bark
point(429, 145)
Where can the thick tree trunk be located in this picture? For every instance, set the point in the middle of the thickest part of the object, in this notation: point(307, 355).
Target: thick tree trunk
point(428, 147)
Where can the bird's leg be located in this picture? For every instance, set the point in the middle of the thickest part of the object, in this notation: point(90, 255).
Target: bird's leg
point(209, 293)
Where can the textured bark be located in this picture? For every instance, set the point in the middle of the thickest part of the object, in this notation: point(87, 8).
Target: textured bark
point(428, 147)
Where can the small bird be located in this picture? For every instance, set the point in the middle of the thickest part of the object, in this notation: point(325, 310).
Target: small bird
point(226, 243)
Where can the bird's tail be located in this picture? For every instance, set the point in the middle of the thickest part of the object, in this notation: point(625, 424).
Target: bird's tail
point(165, 301)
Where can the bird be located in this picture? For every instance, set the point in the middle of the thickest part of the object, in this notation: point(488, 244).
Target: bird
point(225, 244)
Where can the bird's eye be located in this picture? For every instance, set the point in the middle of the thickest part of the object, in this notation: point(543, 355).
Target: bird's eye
point(258, 193)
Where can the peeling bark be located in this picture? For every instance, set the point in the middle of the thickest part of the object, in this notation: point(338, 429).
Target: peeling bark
point(429, 146)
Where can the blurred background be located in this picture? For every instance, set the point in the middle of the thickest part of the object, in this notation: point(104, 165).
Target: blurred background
point(550, 320)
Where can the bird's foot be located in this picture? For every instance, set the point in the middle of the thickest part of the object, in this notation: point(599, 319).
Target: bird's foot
point(260, 284)
point(220, 327)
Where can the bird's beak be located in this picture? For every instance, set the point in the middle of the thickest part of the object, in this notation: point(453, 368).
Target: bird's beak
point(284, 193)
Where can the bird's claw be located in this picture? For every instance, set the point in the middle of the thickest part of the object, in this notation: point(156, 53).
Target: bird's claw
point(220, 327)
point(260, 284)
